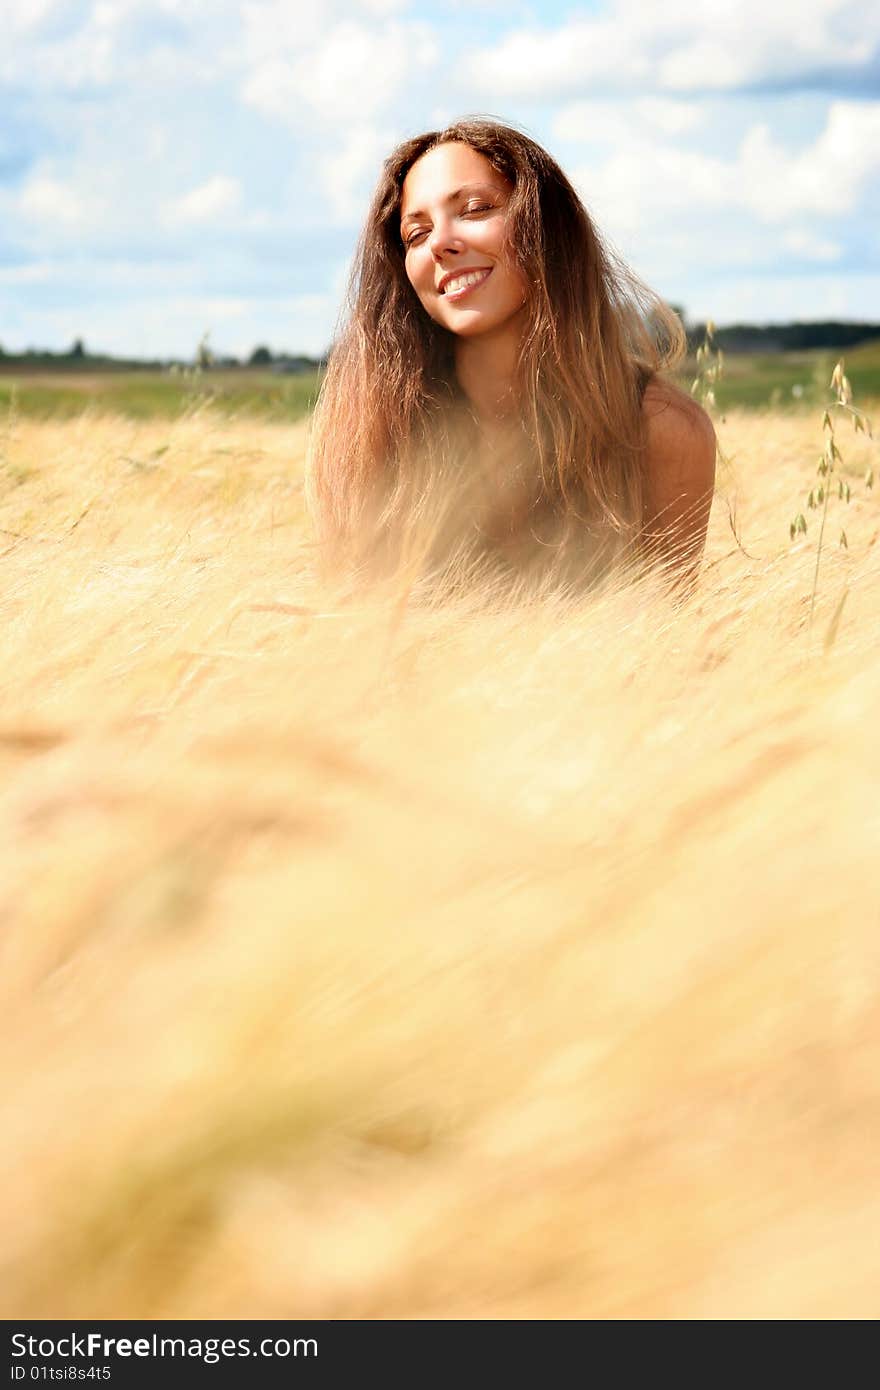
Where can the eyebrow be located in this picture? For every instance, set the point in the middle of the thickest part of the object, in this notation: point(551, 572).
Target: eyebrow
point(451, 198)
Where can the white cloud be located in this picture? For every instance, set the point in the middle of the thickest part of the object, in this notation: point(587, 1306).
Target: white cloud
point(749, 43)
point(677, 47)
point(34, 273)
point(348, 72)
point(825, 179)
point(647, 184)
point(25, 16)
point(271, 27)
point(672, 117)
point(348, 168)
point(609, 123)
point(58, 46)
point(646, 180)
point(47, 200)
point(357, 70)
point(809, 247)
point(218, 197)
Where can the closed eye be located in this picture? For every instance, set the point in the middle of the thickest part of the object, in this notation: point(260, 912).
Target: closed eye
point(472, 209)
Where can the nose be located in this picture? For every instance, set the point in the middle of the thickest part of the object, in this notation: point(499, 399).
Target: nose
point(443, 240)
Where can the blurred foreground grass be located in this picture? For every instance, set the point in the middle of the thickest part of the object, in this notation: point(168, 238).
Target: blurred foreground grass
point(376, 958)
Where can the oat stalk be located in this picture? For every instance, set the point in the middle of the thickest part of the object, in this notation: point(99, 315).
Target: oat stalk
point(820, 494)
point(710, 365)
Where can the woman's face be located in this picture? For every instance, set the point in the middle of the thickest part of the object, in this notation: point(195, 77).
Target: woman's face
point(455, 230)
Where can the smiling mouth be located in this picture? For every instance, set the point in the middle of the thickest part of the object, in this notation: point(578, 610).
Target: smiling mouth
point(465, 282)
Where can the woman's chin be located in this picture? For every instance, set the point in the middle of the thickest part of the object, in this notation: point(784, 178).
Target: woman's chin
point(469, 323)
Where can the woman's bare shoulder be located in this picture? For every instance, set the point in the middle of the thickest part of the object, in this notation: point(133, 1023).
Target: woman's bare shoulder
point(674, 420)
point(679, 471)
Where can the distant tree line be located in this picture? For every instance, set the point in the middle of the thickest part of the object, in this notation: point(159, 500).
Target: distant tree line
point(785, 337)
point(739, 337)
point(78, 358)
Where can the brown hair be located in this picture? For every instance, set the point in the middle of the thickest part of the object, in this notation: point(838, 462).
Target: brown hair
point(387, 422)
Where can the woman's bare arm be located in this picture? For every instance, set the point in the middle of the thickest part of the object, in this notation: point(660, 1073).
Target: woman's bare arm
point(679, 480)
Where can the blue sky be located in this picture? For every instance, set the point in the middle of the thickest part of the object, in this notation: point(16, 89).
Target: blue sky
point(175, 167)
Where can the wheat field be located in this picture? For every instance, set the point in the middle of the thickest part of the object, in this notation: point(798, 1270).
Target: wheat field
point(473, 958)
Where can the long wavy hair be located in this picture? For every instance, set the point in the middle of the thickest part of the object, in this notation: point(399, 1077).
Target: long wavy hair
point(392, 423)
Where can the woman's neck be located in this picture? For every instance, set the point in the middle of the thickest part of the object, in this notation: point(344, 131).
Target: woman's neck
point(486, 371)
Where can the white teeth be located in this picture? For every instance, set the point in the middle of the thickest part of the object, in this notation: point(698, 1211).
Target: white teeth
point(472, 277)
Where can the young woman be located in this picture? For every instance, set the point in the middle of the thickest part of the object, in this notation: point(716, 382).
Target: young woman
point(494, 394)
